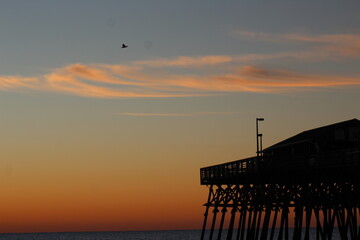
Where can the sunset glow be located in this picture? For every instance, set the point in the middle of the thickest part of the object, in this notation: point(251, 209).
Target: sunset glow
point(96, 137)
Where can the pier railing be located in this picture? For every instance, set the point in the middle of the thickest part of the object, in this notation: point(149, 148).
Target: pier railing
point(228, 170)
point(267, 168)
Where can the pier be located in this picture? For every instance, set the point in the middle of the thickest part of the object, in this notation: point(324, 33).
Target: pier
point(308, 182)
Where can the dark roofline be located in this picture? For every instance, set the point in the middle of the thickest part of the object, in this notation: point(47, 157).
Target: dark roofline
point(285, 142)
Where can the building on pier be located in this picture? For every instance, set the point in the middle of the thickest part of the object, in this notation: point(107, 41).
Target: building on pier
point(309, 180)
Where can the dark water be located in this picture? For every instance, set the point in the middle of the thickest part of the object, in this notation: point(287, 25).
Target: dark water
point(132, 235)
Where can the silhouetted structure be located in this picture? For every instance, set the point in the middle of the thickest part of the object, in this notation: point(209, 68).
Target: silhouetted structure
point(311, 179)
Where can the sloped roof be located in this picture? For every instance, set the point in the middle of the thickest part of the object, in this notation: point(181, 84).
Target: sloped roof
point(316, 133)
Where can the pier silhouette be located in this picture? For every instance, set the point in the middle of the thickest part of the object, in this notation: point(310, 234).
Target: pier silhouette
point(310, 180)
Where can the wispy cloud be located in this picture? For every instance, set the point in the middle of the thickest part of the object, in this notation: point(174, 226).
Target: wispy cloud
point(17, 82)
point(323, 46)
point(107, 82)
point(184, 61)
point(175, 114)
point(277, 79)
point(339, 45)
point(229, 73)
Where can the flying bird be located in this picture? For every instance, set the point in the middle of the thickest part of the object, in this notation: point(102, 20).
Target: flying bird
point(124, 46)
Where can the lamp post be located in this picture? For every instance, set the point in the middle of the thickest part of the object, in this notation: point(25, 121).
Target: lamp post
point(258, 136)
point(260, 148)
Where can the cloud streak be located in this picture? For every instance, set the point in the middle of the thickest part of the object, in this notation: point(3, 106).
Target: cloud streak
point(322, 46)
point(184, 61)
point(228, 73)
point(175, 114)
point(107, 82)
point(16, 82)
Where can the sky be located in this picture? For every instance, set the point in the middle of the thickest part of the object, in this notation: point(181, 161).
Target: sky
point(99, 138)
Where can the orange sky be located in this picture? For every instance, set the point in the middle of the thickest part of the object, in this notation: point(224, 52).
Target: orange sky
point(95, 137)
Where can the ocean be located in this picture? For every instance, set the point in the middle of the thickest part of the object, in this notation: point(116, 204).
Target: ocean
point(127, 235)
point(123, 235)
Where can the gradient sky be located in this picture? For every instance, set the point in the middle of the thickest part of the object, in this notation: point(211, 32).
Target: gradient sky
point(96, 138)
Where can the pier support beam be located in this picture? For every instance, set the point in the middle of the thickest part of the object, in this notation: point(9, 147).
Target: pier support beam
point(283, 211)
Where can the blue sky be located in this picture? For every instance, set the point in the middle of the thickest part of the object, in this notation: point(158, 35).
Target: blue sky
point(48, 34)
